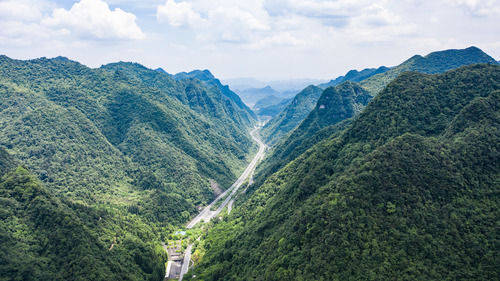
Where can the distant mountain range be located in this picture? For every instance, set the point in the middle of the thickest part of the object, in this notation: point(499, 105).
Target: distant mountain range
point(355, 76)
point(270, 106)
point(373, 80)
point(252, 95)
point(435, 62)
point(282, 86)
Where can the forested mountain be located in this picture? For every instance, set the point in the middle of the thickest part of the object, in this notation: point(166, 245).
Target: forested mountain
point(435, 62)
point(408, 191)
point(271, 109)
point(243, 113)
point(252, 95)
point(122, 138)
point(375, 79)
point(292, 115)
point(335, 107)
point(267, 101)
point(47, 238)
point(355, 76)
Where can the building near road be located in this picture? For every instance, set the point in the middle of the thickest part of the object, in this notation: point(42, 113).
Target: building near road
point(175, 260)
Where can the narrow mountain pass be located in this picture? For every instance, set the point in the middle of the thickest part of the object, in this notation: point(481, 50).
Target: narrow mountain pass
point(229, 195)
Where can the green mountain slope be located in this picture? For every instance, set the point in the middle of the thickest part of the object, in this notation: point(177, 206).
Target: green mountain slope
point(241, 112)
point(334, 107)
point(435, 62)
point(375, 79)
point(355, 76)
point(408, 191)
point(292, 115)
point(121, 134)
point(46, 238)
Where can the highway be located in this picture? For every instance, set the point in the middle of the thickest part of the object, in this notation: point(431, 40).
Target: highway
point(187, 260)
point(207, 214)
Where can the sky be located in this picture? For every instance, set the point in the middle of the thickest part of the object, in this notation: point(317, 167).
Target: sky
point(263, 39)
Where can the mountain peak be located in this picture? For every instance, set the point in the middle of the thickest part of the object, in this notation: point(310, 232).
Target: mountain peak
point(203, 75)
point(159, 69)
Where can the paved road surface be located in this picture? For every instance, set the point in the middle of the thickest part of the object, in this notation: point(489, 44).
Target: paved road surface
point(185, 263)
point(207, 214)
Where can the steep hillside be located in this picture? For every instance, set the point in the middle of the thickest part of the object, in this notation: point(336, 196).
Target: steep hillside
point(375, 79)
point(240, 112)
point(46, 238)
point(335, 106)
point(406, 192)
point(436, 62)
point(122, 134)
point(292, 115)
point(355, 76)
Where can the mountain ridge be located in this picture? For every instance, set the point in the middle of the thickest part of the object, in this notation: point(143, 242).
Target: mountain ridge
point(401, 193)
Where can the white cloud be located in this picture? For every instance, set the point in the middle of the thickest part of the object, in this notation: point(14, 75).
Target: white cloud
point(25, 23)
point(248, 38)
point(178, 14)
point(479, 7)
point(93, 19)
point(258, 24)
point(18, 9)
point(20, 22)
point(218, 20)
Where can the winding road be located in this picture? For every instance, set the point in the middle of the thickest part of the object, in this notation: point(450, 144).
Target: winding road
point(207, 214)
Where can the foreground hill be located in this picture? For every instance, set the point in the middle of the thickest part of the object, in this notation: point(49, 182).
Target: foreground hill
point(43, 237)
point(122, 134)
point(408, 191)
point(292, 115)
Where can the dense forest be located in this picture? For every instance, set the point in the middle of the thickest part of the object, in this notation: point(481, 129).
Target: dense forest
point(371, 79)
point(407, 191)
point(332, 113)
point(118, 155)
point(292, 115)
point(388, 173)
point(435, 62)
point(120, 130)
point(47, 238)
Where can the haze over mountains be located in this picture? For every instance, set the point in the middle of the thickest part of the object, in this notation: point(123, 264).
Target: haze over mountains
point(386, 173)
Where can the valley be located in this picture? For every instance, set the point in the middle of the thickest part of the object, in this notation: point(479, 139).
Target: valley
point(208, 214)
point(124, 172)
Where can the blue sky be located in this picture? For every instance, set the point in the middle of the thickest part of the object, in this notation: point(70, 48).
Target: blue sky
point(277, 39)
